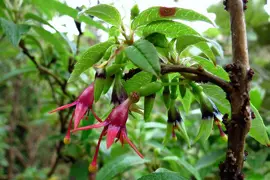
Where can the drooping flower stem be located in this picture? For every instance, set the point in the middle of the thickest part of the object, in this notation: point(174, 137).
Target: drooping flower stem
point(93, 166)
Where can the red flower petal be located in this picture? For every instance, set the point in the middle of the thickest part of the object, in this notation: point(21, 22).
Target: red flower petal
point(63, 107)
point(80, 111)
point(111, 134)
point(130, 143)
point(90, 127)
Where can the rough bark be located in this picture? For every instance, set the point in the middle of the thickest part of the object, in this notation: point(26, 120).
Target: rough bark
point(240, 75)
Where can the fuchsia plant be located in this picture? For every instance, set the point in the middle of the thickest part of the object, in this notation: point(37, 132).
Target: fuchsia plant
point(158, 58)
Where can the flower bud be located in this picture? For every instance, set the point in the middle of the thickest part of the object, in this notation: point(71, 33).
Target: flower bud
point(99, 83)
point(134, 97)
point(134, 12)
point(175, 122)
point(119, 94)
point(166, 91)
point(174, 88)
point(113, 69)
point(108, 83)
point(150, 88)
point(182, 89)
point(92, 168)
point(66, 140)
point(148, 105)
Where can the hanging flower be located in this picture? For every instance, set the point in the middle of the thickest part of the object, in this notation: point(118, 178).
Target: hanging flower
point(83, 104)
point(114, 128)
point(175, 122)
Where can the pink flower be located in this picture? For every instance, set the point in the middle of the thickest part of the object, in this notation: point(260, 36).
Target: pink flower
point(83, 104)
point(114, 127)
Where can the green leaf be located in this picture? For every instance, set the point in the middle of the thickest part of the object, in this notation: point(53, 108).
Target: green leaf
point(158, 40)
point(32, 16)
point(90, 57)
point(169, 28)
point(154, 14)
point(48, 7)
point(52, 39)
point(119, 165)
point(209, 66)
point(13, 31)
point(16, 72)
point(79, 170)
point(138, 80)
point(204, 47)
point(209, 159)
point(185, 164)
point(107, 13)
point(218, 96)
point(143, 54)
point(163, 176)
point(187, 100)
point(258, 130)
point(184, 41)
point(205, 130)
point(256, 96)
point(257, 159)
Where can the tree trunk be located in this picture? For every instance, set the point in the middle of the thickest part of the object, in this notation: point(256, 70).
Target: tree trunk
point(240, 76)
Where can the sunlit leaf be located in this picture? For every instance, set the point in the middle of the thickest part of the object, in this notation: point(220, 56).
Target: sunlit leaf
point(169, 28)
point(204, 47)
point(90, 57)
point(258, 130)
point(209, 66)
point(107, 13)
point(184, 41)
point(256, 96)
point(50, 6)
point(156, 13)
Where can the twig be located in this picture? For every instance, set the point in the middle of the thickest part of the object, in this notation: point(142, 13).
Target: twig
point(202, 75)
point(39, 67)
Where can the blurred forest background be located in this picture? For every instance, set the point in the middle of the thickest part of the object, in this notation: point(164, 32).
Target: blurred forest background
point(33, 81)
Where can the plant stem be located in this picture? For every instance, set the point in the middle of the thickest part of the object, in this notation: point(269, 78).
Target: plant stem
point(240, 76)
point(202, 75)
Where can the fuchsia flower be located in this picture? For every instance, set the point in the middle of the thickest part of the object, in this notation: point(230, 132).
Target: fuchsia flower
point(83, 104)
point(114, 127)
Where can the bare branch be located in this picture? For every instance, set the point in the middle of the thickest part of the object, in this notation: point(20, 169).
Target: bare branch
point(202, 75)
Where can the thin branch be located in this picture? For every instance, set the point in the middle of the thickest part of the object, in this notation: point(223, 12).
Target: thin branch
point(202, 75)
point(39, 67)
